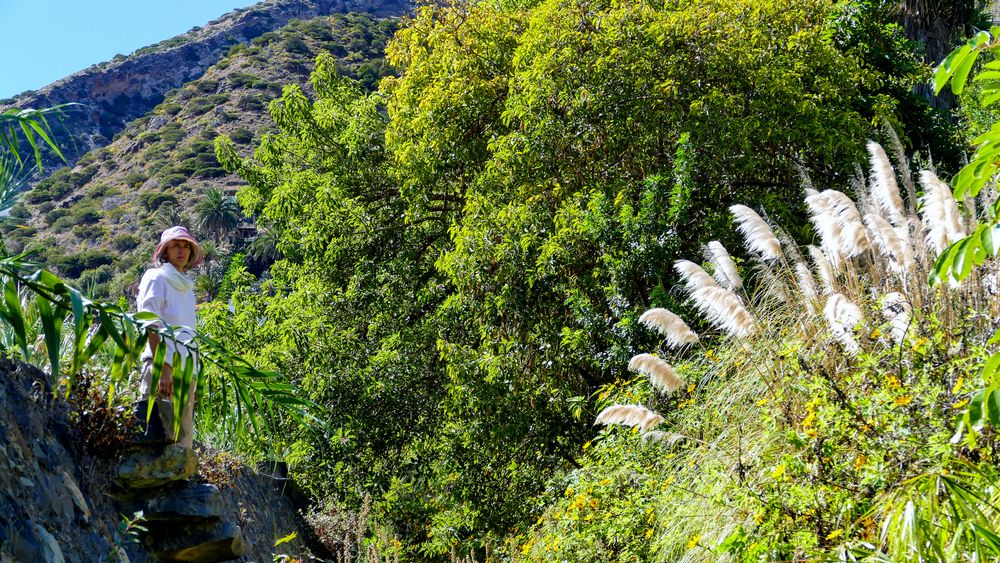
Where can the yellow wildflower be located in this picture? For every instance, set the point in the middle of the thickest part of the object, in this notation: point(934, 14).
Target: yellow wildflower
point(860, 461)
point(960, 404)
point(903, 400)
point(835, 534)
point(957, 387)
point(693, 541)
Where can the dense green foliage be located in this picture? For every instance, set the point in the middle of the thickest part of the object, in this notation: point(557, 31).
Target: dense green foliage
point(466, 251)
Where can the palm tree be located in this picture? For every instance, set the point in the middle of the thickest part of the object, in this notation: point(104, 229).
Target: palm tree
point(33, 127)
point(168, 215)
point(217, 213)
point(264, 247)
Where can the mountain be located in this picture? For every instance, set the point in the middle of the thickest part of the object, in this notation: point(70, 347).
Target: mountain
point(115, 92)
point(97, 221)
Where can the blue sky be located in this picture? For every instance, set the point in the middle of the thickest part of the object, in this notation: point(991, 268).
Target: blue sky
point(42, 41)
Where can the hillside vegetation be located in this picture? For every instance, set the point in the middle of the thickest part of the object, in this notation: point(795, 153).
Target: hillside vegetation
point(96, 223)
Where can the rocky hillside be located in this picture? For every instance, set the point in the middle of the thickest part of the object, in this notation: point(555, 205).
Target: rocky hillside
point(62, 499)
point(97, 221)
point(114, 93)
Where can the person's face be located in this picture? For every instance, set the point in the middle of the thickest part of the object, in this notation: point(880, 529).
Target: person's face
point(178, 253)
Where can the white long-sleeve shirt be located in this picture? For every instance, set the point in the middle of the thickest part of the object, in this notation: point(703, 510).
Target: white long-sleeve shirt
point(174, 306)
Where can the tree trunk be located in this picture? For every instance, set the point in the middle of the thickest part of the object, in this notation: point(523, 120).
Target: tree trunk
point(938, 25)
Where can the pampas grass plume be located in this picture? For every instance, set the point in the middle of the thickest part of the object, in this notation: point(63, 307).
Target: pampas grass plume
point(898, 250)
point(941, 219)
point(672, 327)
point(724, 309)
point(884, 189)
point(807, 287)
point(661, 374)
point(629, 415)
point(694, 276)
point(897, 310)
point(824, 269)
point(725, 269)
point(758, 235)
point(843, 316)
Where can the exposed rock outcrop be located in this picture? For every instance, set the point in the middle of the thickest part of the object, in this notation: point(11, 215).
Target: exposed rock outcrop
point(59, 503)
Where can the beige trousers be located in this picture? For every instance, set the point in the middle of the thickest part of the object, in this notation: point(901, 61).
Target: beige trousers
point(165, 408)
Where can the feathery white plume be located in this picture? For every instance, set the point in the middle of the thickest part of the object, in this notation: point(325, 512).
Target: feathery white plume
point(897, 310)
point(672, 327)
point(822, 216)
point(839, 225)
point(724, 309)
point(661, 374)
point(725, 269)
point(898, 251)
point(843, 316)
point(694, 276)
point(629, 415)
point(942, 222)
point(806, 284)
point(758, 235)
point(824, 269)
point(884, 189)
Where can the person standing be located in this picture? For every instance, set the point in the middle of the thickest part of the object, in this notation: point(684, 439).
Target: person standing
point(166, 290)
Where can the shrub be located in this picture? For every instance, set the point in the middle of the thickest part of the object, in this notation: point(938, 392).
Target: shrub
point(207, 86)
point(151, 201)
point(85, 215)
point(72, 265)
point(52, 216)
point(250, 103)
point(296, 45)
point(170, 180)
point(125, 242)
point(199, 106)
point(168, 108)
point(241, 135)
point(135, 179)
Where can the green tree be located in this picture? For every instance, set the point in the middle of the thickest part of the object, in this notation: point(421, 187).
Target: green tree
point(217, 213)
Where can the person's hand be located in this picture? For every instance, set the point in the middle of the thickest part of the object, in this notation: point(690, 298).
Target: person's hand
point(166, 385)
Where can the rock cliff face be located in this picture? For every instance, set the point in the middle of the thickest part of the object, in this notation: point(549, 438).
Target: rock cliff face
point(58, 502)
point(114, 93)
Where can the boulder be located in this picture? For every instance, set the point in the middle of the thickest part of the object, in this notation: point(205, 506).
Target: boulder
point(221, 541)
point(186, 503)
point(143, 468)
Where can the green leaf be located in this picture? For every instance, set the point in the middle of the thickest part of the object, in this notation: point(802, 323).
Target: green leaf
point(286, 539)
point(992, 403)
point(991, 238)
point(177, 375)
point(975, 413)
point(964, 260)
point(945, 70)
point(990, 369)
point(51, 332)
point(15, 316)
point(159, 356)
